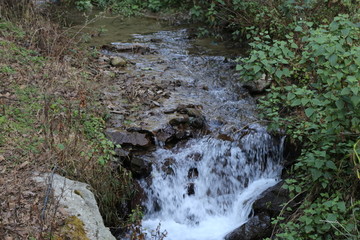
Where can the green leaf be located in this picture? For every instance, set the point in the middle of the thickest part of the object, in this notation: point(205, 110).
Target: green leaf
point(352, 79)
point(340, 104)
point(305, 101)
point(341, 206)
point(333, 59)
point(355, 100)
point(293, 45)
point(298, 29)
point(290, 96)
point(345, 91)
point(61, 146)
point(286, 72)
point(316, 174)
point(239, 67)
point(279, 73)
point(355, 90)
point(345, 32)
point(309, 112)
point(256, 68)
point(331, 165)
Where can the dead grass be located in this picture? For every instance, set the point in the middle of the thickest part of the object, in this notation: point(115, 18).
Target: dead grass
point(49, 116)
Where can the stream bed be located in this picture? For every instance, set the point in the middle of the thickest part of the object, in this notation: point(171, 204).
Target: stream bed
point(207, 158)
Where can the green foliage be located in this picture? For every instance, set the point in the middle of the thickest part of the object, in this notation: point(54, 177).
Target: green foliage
point(94, 130)
point(84, 5)
point(315, 98)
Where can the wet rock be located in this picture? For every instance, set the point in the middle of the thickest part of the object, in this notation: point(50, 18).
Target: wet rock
point(182, 134)
point(168, 171)
point(139, 167)
point(271, 201)
point(225, 137)
point(178, 121)
point(132, 138)
point(169, 161)
point(195, 156)
point(118, 62)
point(292, 150)
point(193, 173)
point(258, 227)
point(197, 122)
point(127, 47)
point(166, 134)
point(190, 189)
point(193, 112)
point(156, 40)
point(167, 166)
point(120, 152)
point(139, 196)
point(259, 85)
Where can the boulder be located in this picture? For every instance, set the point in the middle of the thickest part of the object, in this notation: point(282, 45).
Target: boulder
point(258, 227)
point(271, 201)
point(139, 167)
point(78, 201)
point(142, 139)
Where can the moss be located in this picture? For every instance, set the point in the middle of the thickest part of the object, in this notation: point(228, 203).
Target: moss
point(72, 229)
point(78, 193)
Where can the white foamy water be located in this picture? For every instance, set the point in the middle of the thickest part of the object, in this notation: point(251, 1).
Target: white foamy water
point(205, 189)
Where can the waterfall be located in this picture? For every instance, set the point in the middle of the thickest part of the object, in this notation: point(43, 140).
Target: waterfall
point(205, 188)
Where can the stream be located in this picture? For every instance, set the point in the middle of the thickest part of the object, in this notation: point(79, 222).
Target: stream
point(206, 176)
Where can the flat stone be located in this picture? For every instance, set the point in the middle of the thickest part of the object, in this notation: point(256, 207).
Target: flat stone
point(130, 138)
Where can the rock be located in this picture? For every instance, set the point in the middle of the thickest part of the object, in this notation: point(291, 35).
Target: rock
point(79, 202)
point(178, 121)
point(166, 134)
point(193, 112)
point(197, 122)
point(271, 201)
point(225, 137)
point(193, 173)
point(130, 138)
point(139, 167)
point(195, 156)
point(258, 227)
point(190, 189)
point(118, 62)
point(127, 47)
point(259, 85)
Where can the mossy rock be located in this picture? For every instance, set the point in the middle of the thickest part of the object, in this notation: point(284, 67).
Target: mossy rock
point(73, 229)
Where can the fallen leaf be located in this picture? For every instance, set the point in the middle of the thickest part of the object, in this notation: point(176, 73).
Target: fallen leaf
point(24, 164)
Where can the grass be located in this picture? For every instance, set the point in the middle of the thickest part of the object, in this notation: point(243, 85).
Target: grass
point(50, 116)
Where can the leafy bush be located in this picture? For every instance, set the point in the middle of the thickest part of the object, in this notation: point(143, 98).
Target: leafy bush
point(315, 98)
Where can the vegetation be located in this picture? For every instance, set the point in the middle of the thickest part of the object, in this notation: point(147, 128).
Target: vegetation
point(50, 118)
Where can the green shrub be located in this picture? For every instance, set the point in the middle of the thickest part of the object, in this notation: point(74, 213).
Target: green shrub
point(315, 98)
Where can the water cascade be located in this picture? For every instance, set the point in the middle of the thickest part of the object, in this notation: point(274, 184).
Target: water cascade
point(205, 189)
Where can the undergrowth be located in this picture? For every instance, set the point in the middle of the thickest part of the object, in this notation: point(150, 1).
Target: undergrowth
point(50, 115)
point(315, 98)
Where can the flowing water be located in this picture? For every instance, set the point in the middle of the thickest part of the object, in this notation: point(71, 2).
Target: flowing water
point(203, 188)
point(224, 182)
